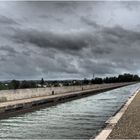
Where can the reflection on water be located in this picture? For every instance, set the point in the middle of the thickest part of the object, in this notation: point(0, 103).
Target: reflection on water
point(80, 118)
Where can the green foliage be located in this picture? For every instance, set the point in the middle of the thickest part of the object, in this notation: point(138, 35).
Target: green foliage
point(97, 81)
point(126, 77)
point(86, 81)
point(42, 82)
point(14, 84)
point(3, 86)
point(28, 84)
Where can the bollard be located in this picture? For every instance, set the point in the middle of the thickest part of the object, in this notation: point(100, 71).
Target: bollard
point(52, 92)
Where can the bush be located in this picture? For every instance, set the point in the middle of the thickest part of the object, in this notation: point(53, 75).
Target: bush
point(14, 84)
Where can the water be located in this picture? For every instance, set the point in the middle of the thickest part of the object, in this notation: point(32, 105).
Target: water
point(80, 118)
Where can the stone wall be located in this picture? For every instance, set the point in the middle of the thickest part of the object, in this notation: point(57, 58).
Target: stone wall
point(10, 95)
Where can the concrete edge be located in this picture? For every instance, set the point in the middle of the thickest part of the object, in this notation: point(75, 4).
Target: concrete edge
point(112, 121)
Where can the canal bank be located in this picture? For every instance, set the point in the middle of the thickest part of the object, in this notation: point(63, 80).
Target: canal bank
point(128, 127)
point(124, 124)
point(34, 101)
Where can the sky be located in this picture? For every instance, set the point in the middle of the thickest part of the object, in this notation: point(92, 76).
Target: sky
point(69, 39)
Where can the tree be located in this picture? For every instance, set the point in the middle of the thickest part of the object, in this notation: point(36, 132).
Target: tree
point(42, 82)
point(14, 84)
point(3, 86)
point(24, 84)
point(85, 81)
point(32, 84)
point(97, 81)
point(28, 84)
point(136, 78)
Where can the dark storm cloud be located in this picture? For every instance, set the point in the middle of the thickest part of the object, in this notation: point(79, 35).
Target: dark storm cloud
point(8, 49)
point(97, 67)
point(51, 40)
point(104, 43)
point(68, 42)
point(7, 21)
point(68, 39)
point(121, 33)
point(58, 65)
point(6, 52)
point(89, 22)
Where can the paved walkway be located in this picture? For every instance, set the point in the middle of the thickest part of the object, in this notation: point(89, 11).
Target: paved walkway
point(128, 127)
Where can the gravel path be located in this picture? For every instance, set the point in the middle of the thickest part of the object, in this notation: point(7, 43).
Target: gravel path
point(128, 127)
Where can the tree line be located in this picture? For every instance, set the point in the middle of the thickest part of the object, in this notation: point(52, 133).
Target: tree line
point(120, 78)
point(16, 84)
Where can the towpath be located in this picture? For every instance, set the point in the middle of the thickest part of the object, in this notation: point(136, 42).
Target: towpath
point(128, 127)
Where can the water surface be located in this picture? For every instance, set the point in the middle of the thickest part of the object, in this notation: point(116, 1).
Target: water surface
point(81, 118)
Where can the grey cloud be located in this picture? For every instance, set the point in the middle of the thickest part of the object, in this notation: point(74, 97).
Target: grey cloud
point(59, 65)
point(7, 21)
point(70, 43)
point(7, 52)
point(48, 39)
point(101, 51)
point(89, 22)
point(120, 33)
point(106, 44)
point(103, 41)
point(102, 68)
point(8, 49)
point(69, 39)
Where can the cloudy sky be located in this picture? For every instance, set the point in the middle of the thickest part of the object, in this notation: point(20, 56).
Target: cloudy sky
point(64, 40)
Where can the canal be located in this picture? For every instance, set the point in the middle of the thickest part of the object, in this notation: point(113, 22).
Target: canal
point(81, 118)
